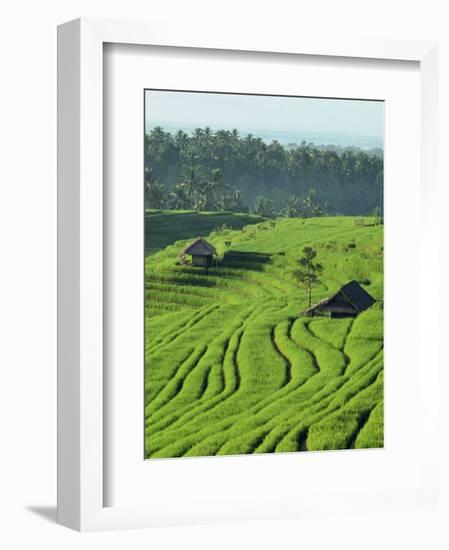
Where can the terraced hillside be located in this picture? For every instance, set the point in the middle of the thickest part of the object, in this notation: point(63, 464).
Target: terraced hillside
point(163, 227)
point(231, 366)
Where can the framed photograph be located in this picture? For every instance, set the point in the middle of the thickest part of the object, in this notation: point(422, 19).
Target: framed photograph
point(264, 296)
point(242, 293)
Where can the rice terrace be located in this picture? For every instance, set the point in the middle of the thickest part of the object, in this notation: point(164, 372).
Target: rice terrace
point(263, 306)
point(233, 369)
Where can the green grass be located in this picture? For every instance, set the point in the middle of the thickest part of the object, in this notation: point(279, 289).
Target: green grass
point(164, 227)
point(230, 365)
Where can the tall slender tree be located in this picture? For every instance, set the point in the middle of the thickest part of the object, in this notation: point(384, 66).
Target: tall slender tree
point(309, 271)
point(154, 191)
point(264, 207)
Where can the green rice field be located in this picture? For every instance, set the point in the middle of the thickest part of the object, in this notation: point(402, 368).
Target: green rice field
point(231, 366)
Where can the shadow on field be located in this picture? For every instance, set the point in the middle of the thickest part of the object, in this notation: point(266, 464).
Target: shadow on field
point(254, 261)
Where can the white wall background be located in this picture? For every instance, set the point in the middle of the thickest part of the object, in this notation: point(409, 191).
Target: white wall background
point(28, 269)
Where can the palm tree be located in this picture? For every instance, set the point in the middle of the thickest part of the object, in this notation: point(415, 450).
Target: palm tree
point(181, 140)
point(293, 208)
point(264, 207)
point(154, 191)
point(233, 202)
point(216, 185)
point(310, 206)
point(178, 198)
point(190, 184)
point(211, 193)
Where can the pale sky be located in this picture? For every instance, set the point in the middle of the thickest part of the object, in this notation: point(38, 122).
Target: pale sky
point(269, 114)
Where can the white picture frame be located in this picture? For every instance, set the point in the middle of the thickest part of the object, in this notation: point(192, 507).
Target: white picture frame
point(81, 407)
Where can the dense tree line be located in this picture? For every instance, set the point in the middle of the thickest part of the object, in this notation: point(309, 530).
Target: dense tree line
point(226, 171)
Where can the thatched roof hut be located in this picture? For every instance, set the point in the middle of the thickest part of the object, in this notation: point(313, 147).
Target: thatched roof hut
point(201, 251)
point(349, 301)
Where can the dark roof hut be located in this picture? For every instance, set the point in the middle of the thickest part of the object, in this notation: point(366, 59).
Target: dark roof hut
point(201, 251)
point(349, 301)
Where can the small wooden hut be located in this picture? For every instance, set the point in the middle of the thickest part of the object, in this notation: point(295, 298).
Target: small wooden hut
point(349, 301)
point(201, 251)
